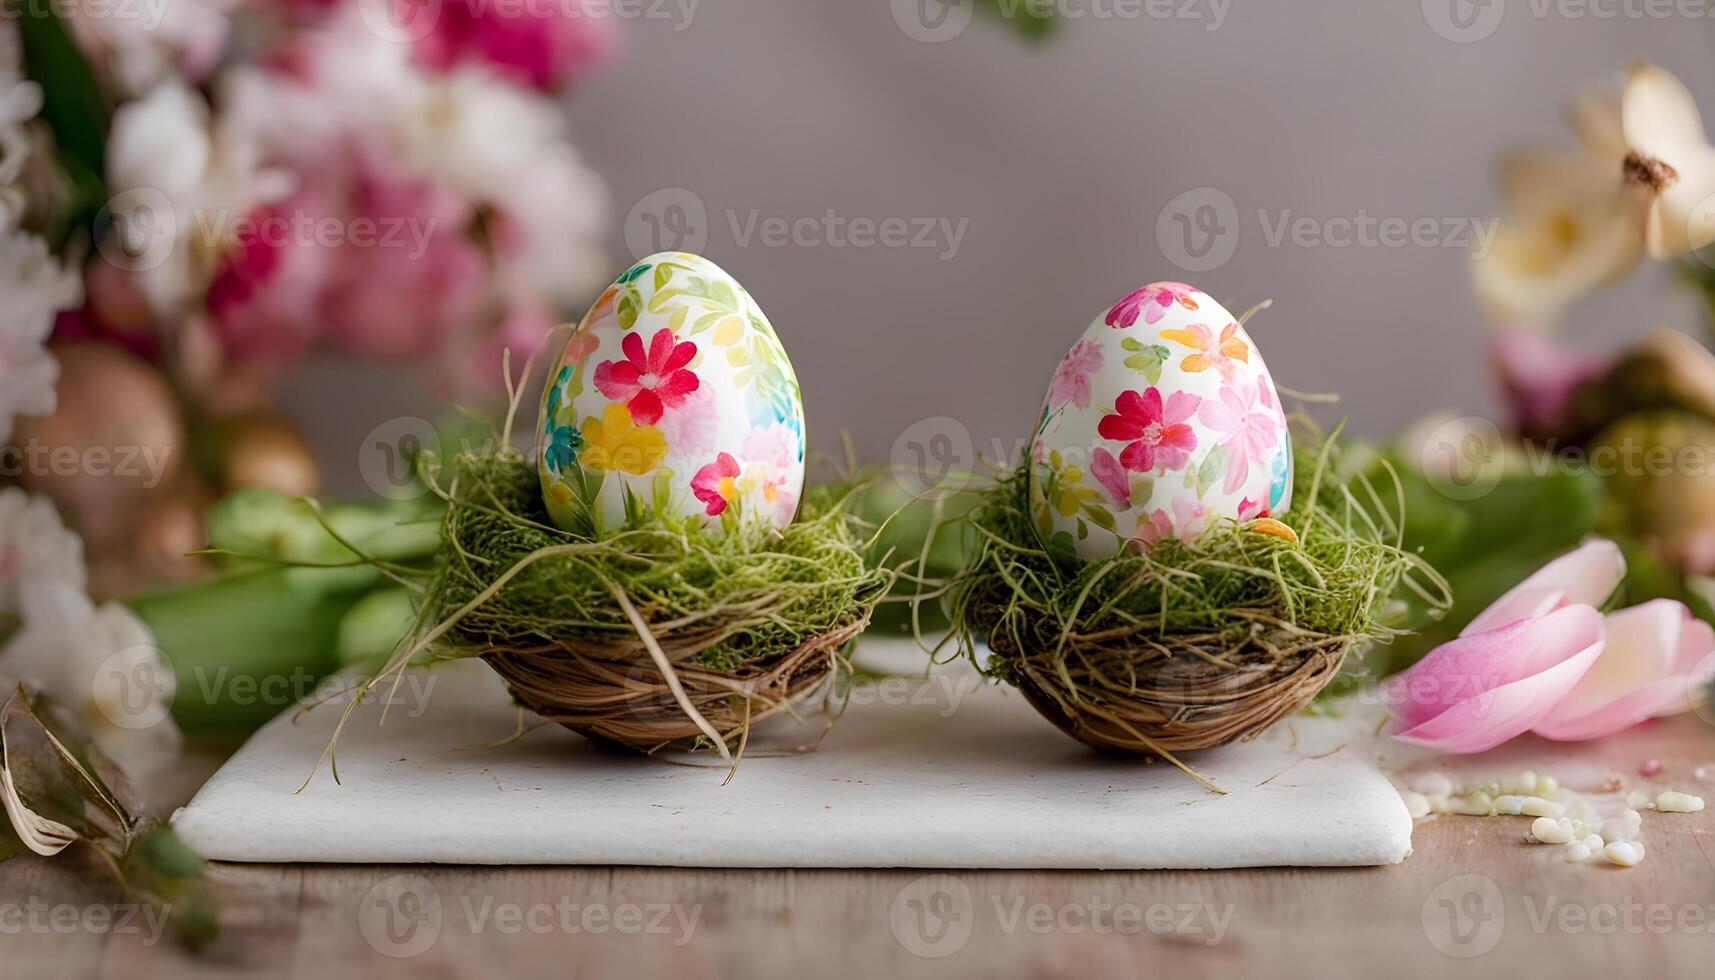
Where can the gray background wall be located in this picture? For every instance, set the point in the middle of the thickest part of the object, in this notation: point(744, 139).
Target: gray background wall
point(1060, 157)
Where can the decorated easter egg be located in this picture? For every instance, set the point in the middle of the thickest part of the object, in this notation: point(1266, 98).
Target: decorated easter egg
point(1160, 421)
point(672, 398)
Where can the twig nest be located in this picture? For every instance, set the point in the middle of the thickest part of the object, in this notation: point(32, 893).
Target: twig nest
point(1182, 645)
point(665, 634)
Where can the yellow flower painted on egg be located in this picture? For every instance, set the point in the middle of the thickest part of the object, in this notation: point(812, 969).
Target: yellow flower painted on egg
point(617, 444)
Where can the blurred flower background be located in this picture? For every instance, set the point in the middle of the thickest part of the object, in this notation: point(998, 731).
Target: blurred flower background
point(196, 194)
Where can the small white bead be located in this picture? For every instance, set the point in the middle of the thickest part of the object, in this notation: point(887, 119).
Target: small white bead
point(1595, 843)
point(1536, 806)
point(1415, 804)
point(1578, 852)
point(1438, 804)
point(1638, 800)
point(1477, 804)
point(1508, 805)
point(1671, 802)
point(1551, 831)
point(1623, 853)
point(1547, 786)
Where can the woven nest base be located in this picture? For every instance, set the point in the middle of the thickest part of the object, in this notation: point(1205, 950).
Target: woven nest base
point(618, 696)
point(1154, 700)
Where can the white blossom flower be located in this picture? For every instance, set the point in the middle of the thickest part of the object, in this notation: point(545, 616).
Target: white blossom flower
point(101, 663)
point(34, 547)
point(20, 101)
point(181, 187)
point(137, 46)
point(33, 289)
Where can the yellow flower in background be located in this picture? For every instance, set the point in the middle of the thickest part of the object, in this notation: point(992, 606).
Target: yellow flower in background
point(615, 443)
point(1572, 227)
point(1643, 182)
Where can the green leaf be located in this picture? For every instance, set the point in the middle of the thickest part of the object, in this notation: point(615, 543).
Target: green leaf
point(628, 303)
point(1099, 516)
point(1214, 467)
point(1148, 361)
point(72, 104)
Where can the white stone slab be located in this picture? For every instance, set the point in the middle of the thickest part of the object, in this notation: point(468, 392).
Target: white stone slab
point(944, 772)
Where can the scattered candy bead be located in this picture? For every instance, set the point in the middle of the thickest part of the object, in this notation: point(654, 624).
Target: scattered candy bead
point(1638, 800)
point(1578, 853)
point(1536, 806)
point(1415, 804)
point(1508, 805)
point(1626, 854)
point(1551, 831)
point(1624, 827)
point(1650, 768)
point(1671, 802)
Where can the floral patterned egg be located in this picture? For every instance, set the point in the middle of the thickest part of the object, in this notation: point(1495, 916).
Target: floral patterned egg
point(672, 397)
point(1160, 421)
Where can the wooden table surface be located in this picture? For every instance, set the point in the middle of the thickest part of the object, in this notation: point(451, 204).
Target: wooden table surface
point(1473, 898)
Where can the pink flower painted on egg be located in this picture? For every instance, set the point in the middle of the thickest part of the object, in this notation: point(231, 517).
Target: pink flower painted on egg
point(1156, 432)
point(1072, 378)
point(715, 484)
point(649, 383)
point(1112, 476)
point(1152, 303)
point(1249, 423)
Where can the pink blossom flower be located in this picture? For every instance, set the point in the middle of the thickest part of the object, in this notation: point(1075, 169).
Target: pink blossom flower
point(715, 484)
point(1645, 671)
point(1151, 302)
point(1246, 416)
point(1250, 510)
point(400, 296)
point(1072, 378)
point(264, 301)
point(649, 383)
point(1538, 377)
point(1155, 432)
point(539, 43)
point(1112, 476)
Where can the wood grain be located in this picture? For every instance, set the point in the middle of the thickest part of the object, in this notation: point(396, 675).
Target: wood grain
point(1473, 886)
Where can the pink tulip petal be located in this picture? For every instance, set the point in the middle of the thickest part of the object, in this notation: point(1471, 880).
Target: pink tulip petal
point(1644, 672)
point(1477, 691)
point(1584, 576)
